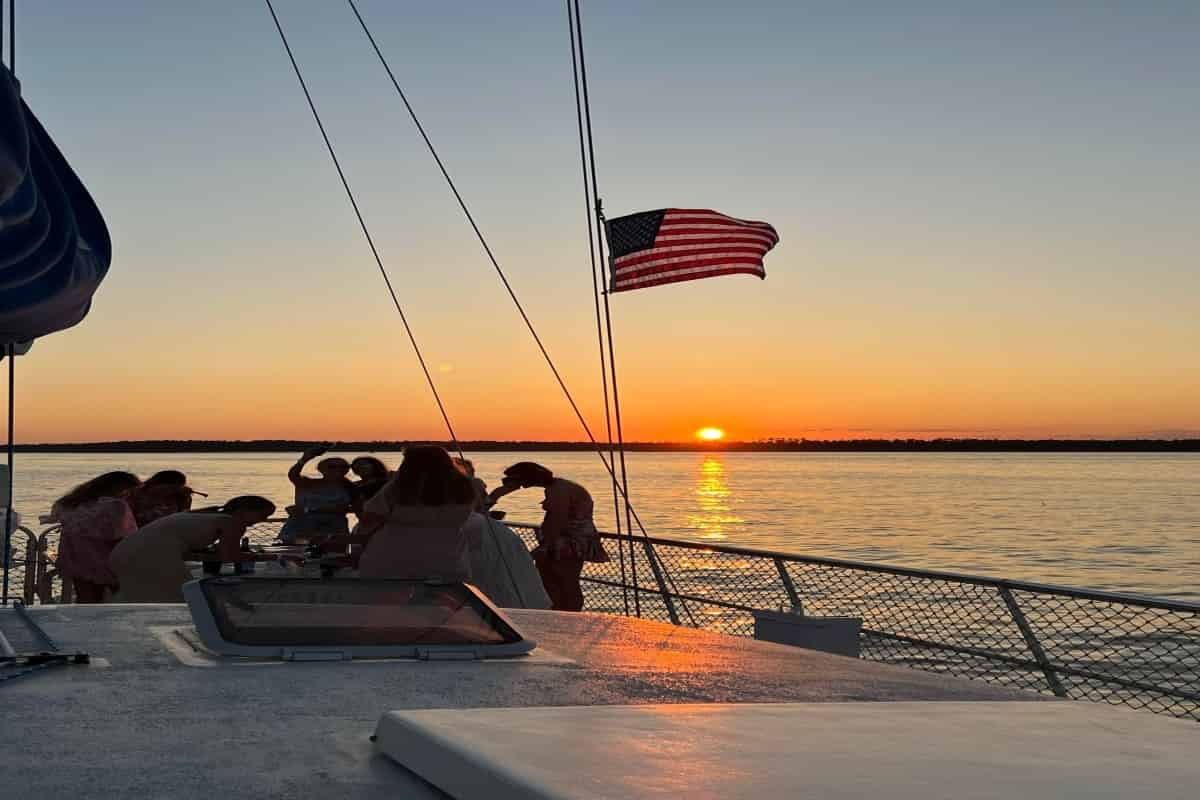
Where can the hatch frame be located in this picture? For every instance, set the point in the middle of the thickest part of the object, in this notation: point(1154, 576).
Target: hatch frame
point(209, 629)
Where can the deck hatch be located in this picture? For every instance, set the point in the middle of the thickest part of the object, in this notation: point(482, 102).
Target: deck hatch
point(294, 617)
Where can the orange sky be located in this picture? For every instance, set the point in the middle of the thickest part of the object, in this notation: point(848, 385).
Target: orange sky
point(735, 359)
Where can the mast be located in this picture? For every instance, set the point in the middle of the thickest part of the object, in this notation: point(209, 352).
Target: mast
point(607, 335)
point(599, 286)
point(656, 569)
point(10, 349)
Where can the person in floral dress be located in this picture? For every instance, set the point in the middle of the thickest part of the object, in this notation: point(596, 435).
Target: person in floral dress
point(93, 517)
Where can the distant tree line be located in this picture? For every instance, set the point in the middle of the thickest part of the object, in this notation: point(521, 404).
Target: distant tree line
point(784, 445)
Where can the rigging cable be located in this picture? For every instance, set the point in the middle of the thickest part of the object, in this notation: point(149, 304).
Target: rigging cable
point(590, 160)
point(503, 278)
point(478, 233)
point(597, 282)
point(366, 232)
point(395, 300)
point(661, 574)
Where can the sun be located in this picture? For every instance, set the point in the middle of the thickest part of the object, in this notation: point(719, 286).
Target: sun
point(710, 434)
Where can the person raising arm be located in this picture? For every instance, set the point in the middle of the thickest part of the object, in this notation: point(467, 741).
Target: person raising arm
point(321, 503)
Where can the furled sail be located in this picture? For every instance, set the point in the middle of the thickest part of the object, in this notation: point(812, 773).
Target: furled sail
point(54, 245)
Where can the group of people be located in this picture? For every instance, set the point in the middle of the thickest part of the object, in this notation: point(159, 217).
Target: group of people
point(433, 516)
point(127, 541)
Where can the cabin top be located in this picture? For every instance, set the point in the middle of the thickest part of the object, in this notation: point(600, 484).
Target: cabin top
point(154, 713)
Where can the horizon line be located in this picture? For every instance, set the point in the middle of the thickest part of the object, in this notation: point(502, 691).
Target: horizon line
point(1178, 444)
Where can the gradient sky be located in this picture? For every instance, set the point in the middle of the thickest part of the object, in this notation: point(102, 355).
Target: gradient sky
point(988, 216)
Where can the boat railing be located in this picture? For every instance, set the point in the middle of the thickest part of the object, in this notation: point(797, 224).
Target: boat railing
point(1124, 649)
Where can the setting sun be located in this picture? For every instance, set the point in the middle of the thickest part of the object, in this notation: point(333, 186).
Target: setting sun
point(710, 434)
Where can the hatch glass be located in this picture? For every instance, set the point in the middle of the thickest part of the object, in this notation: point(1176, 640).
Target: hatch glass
point(351, 613)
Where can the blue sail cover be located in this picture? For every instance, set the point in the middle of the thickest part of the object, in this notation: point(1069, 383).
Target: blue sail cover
point(54, 245)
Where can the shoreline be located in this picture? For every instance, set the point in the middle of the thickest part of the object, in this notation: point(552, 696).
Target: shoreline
point(767, 446)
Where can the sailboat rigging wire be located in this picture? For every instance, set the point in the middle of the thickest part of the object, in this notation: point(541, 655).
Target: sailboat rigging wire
point(471, 220)
point(366, 232)
point(590, 160)
point(500, 273)
point(597, 282)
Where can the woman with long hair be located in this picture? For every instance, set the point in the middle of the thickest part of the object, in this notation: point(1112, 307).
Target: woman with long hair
point(568, 535)
point(94, 517)
point(152, 564)
point(416, 521)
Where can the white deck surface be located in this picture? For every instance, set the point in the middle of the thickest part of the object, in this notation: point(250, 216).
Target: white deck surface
point(901, 751)
point(147, 725)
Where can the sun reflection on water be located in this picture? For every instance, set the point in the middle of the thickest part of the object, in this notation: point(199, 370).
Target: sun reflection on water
point(714, 500)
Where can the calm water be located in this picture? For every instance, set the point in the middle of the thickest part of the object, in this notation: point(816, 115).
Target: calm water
point(1125, 522)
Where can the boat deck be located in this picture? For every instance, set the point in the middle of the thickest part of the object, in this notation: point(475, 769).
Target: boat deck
point(150, 717)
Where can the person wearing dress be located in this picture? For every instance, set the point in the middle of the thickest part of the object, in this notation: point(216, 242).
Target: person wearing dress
point(501, 566)
point(152, 564)
point(321, 503)
point(568, 535)
point(415, 522)
point(93, 518)
point(162, 494)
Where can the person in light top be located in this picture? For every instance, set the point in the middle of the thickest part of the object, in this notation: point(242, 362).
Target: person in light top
point(501, 566)
point(152, 564)
point(415, 522)
point(568, 535)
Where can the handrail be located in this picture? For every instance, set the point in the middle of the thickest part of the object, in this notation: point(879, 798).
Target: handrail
point(1109, 646)
point(956, 577)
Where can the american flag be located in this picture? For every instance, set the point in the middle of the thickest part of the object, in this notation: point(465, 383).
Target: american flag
point(683, 244)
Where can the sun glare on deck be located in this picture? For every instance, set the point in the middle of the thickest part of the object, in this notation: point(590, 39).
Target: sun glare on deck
point(710, 434)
